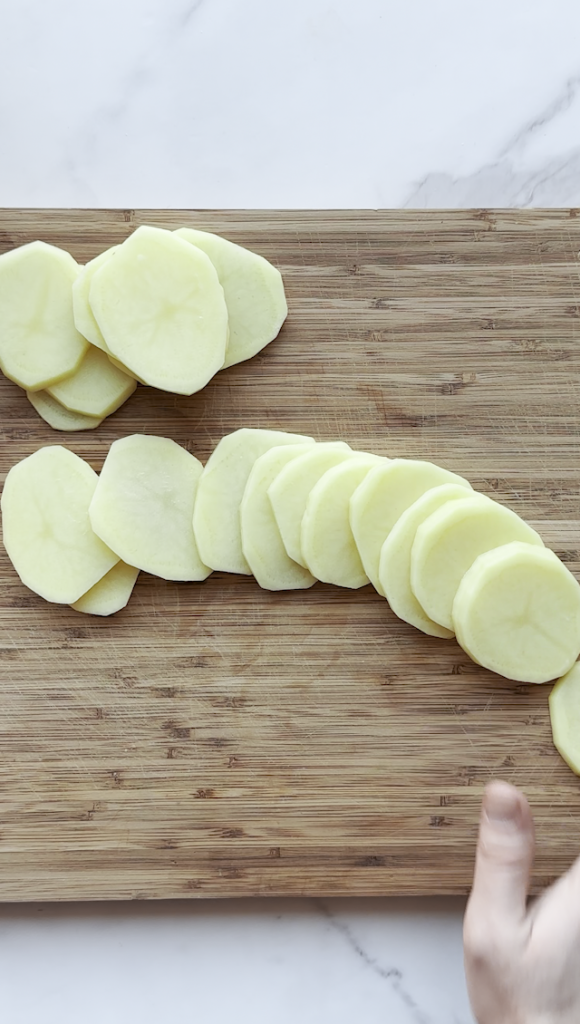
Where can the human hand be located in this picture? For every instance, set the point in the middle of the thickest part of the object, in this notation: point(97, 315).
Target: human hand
point(522, 965)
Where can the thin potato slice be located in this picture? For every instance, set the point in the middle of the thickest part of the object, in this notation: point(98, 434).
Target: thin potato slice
point(96, 389)
point(517, 611)
point(46, 526)
point(39, 343)
point(111, 593)
point(216, 519)
point(290, 490)
point(564, 703)
point(57, 417)
point(387, 492)
point(326, 539)
point(253, 290)
point(83, 314)
point(161, 310)
point(395, 561)
point(143, 506)
point(261, 541)
point(448, 542)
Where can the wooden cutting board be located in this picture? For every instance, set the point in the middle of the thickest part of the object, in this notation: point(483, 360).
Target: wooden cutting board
point(215, 739)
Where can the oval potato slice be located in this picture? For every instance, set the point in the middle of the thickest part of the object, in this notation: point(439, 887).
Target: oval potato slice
point(143, 506)
point(448, 542)
point(290, 490)
point(564, 703)
point(216, 518)
point(327, 541)
point(383, 496)
point(97, 388)
point(83, 315)
point(395, 561)
point(253, 289)
point(46, 527)
point(111, 593)
point(261, 541)
point(517, 611)
point(161, 310)
point(57, 417)
point(39, 343)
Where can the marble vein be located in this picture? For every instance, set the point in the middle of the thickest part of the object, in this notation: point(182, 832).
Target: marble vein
point(390, 974)
point(514, 178)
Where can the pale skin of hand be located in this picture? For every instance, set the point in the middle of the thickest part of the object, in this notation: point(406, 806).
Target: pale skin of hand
point(522, 964)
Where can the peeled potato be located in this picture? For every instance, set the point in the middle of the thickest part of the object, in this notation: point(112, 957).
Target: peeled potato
point(57, 417)
point(161, 310)
point(97, 388)
point(565, 717)
point(143, 506)
point(83, 315)
point(290, 490)
point(111, 593)
point(216, 518)
point(448, 542)
point(46, 527)
point(382, 497)
point(261, 541)
point(327, 543)
point(39, 343)
point(253, 290)
point(395, 561)
point(517, 612)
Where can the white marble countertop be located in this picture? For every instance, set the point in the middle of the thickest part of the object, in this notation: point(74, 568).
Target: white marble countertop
point(251, 103)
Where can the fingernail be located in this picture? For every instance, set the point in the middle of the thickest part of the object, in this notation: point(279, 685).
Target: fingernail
point(502, 807)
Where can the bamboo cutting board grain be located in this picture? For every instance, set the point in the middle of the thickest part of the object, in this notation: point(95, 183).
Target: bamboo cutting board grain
point(215, 739)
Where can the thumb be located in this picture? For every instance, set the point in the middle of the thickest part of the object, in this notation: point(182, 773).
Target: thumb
point(505, 853)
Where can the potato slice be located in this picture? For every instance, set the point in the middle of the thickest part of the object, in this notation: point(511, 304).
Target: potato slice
point(83, 315)
point(216, 518)
point(111, 593)
point(448, 542)
point(290, 490)
point(46, 526)
point(161, 310)
point(395, 561)
point(253, 290)
point(143, 506)
point(517, 611)
point(261, 541)
point(96, 389)
point(564, 703)
point(326, 539)
point(39, 343)
point(57, 417)
point(383, 496)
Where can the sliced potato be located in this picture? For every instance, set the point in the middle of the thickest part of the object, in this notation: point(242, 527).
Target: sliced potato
point(382, 497)
point(83, 314)
point(161, 310)
point(46, 526)
point(326, 539)
point(290, 490)
point(253, 290)
point(143, 506)
point(565, 717)
point(448, 542)
point(39, 343)
point(261, 541)
point(111, 593)
point(395, 561)
point(96, 389)
point(57, 417)
point(517, 611)
point(216, 519)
